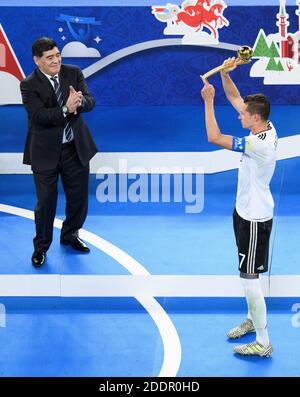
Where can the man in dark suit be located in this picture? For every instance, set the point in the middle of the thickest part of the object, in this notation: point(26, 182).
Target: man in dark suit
point(58, 143)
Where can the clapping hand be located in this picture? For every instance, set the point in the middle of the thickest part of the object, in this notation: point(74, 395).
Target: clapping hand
point(74, 100)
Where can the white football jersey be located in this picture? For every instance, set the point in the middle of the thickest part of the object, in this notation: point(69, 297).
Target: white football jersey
point(254, 201)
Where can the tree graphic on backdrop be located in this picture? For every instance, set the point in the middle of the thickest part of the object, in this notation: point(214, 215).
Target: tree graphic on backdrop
point(261, 48)
point(272, 66)
point(280, 67)
point(273, 51)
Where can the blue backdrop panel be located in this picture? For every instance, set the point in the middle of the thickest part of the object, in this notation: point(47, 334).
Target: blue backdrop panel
point(149, 128)
point(162, 76)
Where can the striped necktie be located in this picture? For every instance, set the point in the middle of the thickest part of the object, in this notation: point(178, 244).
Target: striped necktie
point(68, 133)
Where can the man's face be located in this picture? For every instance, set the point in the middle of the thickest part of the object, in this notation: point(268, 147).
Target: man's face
point(49, 62)
point(246, 118)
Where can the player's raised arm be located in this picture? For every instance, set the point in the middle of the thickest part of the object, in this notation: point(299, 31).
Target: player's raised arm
point(214, 134)
point(230, 89)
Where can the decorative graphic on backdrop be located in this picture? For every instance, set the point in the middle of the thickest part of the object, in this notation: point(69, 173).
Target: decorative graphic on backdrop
point(79, 28)
point(11, 72)
point(124, 34)
point(191, 18)
point(279, 53)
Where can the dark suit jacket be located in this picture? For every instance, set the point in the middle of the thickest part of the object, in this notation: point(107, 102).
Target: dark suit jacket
point(46, 120)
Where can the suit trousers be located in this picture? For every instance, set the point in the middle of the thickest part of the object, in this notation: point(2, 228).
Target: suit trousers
point(75, 180)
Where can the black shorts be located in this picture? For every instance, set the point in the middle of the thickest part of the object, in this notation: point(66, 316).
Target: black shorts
point(252, 240)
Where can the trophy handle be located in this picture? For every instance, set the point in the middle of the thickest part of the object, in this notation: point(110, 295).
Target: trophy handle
point(208, 74)
point(213, 71)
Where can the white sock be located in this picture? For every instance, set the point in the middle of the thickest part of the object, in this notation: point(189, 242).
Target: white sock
point(257, 308)
point(249, 317)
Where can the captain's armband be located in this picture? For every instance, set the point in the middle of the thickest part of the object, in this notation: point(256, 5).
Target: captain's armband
point(238, 144)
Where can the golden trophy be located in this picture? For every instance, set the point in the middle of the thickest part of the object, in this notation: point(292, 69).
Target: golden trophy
point(244, 56)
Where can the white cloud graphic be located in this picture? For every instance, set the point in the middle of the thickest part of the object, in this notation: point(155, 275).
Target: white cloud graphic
point(10, 92)
point(75, 49)
point(273, 37)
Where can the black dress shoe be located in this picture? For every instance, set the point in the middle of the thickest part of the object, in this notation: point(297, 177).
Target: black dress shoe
point(38, 258)
point(77, 244)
